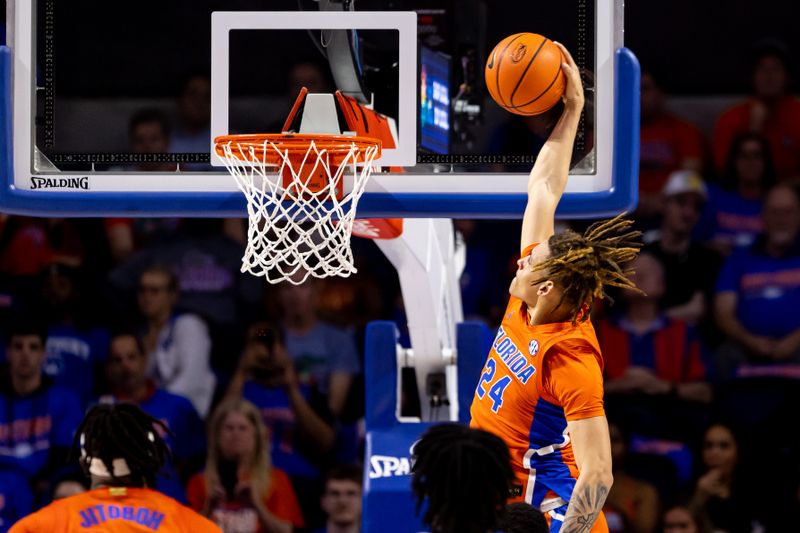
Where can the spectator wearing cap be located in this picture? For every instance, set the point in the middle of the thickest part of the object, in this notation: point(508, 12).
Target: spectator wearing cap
point(758, 291)
point(667, 143)
point(770, 110)
point(690, 268)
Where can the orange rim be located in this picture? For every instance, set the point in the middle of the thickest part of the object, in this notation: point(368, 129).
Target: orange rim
point(262, 146)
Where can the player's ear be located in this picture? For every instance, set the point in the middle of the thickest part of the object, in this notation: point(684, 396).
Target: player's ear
point(545, 288)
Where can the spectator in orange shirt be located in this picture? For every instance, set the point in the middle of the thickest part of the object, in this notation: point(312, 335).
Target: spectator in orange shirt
point(121, 450)
point(240, 490)
point(770, 111)
point(667, 143)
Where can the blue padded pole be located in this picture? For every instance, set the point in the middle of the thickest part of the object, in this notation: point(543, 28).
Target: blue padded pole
point(380, 375)
point(473, 340)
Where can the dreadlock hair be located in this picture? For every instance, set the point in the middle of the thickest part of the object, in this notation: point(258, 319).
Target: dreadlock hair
point(582, 265)
point(123, 431)
point(521, 517)
point(465, 475)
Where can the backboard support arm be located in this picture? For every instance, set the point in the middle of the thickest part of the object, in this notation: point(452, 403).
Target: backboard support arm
point(429, 266)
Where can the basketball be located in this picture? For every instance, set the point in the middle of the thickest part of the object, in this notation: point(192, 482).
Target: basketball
point(523, 74)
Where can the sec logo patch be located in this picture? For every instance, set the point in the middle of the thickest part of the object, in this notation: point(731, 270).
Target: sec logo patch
point(533, 347)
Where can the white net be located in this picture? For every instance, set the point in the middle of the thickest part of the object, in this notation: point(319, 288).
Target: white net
point(299, 228)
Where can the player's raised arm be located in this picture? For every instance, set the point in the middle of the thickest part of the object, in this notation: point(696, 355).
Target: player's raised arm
point(549, 175)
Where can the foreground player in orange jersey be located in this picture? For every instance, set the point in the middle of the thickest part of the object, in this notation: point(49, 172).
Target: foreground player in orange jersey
point(541, 390)
point(121, 451)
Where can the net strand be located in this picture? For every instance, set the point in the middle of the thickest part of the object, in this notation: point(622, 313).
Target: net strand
point(295, 232)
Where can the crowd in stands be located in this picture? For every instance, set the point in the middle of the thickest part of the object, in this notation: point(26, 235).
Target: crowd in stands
point(261, 387)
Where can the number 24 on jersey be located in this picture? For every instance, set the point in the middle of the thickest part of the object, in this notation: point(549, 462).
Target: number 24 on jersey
point(496, 389)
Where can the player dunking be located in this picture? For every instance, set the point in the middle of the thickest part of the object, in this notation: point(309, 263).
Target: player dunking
point(121, 451)
point(541, 389)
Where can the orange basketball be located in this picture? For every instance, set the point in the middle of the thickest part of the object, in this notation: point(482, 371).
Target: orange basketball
point(523, 74)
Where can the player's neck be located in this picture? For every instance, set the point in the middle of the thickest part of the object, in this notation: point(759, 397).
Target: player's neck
point(98, 482)
point(538, 315)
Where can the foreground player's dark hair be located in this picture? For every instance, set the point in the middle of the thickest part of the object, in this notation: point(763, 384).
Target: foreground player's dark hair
point(124, 431)
point(521, 517)
point(583, 264)
point(464, 475)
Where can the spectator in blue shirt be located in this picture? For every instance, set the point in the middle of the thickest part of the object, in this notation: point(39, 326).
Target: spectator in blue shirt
point(325, 357)
point(758, 291)
point(127, 377)
point(732, 218)
point(37, 419)
point(16, 500)
point(76, 349)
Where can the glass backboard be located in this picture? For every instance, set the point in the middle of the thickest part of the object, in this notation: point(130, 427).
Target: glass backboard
point(79, 82)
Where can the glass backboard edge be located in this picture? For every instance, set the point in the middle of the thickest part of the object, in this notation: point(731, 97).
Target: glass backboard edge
point(622, 195)
point(6, 128)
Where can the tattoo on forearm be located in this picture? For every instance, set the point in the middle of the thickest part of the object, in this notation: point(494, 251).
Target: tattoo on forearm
point(584, 508)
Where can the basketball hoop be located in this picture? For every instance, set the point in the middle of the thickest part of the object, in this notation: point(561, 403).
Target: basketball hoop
point(300, 217)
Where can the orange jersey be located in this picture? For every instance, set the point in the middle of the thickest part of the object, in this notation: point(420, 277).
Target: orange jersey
point(116, 509)
point(280, 501)
point(537, 378)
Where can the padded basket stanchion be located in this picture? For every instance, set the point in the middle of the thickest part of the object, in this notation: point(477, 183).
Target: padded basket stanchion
point(300, 217)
